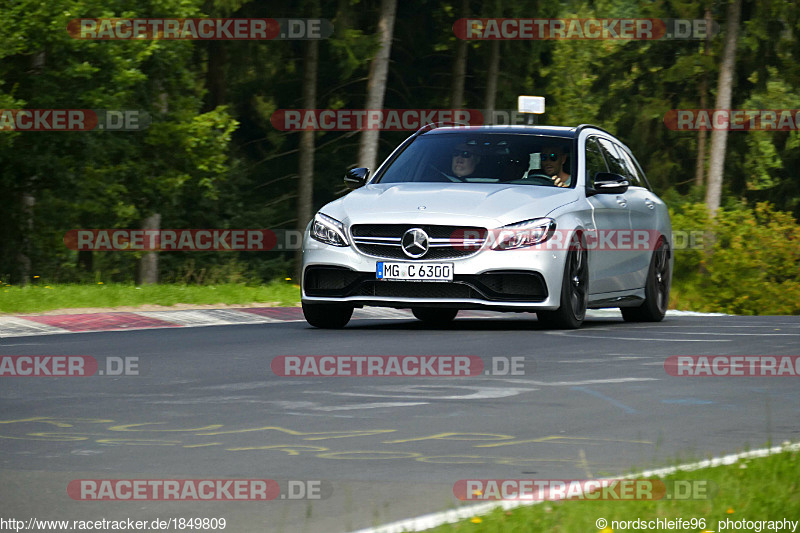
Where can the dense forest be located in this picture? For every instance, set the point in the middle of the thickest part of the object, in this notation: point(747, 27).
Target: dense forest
point(211, 157)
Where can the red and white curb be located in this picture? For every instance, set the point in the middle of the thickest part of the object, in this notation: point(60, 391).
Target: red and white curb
point(18, 326)
point(22, 326)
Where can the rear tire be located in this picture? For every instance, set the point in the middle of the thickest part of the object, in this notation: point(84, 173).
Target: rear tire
point(574, 293)
point(656, 289)
point(435, 316)
point(327, 316)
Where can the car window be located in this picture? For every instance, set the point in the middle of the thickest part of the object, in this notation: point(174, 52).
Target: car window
point(469, 157)
point(642, 176)
point(594, 161)
point(614, 160)
point(632, 171)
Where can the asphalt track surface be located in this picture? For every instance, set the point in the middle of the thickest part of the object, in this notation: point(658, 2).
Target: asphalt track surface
point(593, 402)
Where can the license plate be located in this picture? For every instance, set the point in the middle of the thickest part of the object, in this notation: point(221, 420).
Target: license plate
point(414, 271)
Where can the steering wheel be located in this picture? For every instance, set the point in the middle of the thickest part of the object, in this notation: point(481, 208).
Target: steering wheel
point(540, 179)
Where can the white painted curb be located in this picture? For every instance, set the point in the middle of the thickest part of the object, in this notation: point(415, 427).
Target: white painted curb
point(428, 521)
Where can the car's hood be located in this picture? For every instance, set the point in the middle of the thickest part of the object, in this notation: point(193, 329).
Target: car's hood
point(457, 203)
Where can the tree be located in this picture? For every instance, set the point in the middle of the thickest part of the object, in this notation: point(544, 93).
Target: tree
point(724, 92)
point(459, 66)
point(376, 86)
point(700, 166)
point(305, 186)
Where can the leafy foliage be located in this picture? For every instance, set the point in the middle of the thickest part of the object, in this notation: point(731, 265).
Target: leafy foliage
point(742, 262)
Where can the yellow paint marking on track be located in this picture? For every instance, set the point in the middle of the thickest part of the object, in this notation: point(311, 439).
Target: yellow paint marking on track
point(452, 436)
point(552, 438)
point(140, 442)
point(58, 422)
point(357, 453)
point(521, 461)
point(291, 449)
point(319, 435)
point(50, 437)
point(439, 459)
point(126, 427)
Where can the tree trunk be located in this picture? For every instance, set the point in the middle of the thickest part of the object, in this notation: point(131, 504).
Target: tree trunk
point(23, 255)
point(215, 75)
point(459, 66)
point(491, 79)
point(700, 168)
point(305, 187)
point(376, 86)
point(27, 199)
point(85, 260)
point(724, 90)
point(148, 264)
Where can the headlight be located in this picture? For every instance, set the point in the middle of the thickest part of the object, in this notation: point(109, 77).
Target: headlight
point(522, 234)
point(328, 230)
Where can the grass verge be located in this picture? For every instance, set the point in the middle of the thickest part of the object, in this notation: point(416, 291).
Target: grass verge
point(41, 297)
point(751, 489)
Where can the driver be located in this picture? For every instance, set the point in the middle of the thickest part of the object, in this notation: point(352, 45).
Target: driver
point(553, 165)
point(464, 160)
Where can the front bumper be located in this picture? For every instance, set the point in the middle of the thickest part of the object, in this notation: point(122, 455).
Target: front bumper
point(516, 280)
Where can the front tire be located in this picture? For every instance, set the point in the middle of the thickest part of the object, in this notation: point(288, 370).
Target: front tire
point(435, 316)
point(656, 289)
point(327, 316)
point(574, 293)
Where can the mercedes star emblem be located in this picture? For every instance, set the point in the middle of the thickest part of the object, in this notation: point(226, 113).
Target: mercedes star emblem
point(415, 243)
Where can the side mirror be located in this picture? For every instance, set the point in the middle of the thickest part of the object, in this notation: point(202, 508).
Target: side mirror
point(609, 183)
point(356, 177)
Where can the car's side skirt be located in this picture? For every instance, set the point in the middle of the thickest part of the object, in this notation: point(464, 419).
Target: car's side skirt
point(630, 298)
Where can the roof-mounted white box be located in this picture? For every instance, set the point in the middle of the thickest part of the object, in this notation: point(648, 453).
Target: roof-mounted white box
point(530, 104)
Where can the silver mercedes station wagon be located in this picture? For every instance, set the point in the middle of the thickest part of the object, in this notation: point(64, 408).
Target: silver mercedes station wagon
point(551, 220)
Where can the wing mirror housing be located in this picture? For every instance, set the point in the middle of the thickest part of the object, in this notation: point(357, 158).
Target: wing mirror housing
point(608, 183)
point(356, 177)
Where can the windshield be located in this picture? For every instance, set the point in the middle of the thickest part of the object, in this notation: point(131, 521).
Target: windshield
point(466, 157)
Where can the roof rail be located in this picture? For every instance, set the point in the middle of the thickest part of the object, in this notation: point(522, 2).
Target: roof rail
point(582, 126)
point(433, 125)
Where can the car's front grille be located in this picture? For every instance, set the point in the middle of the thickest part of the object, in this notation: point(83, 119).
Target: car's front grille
point(445, 242)
point(395, 252)
point(416, 289)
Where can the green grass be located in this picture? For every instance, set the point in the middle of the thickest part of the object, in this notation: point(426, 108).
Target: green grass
point(42, 297)
point(751, 489)
point(688, 295)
